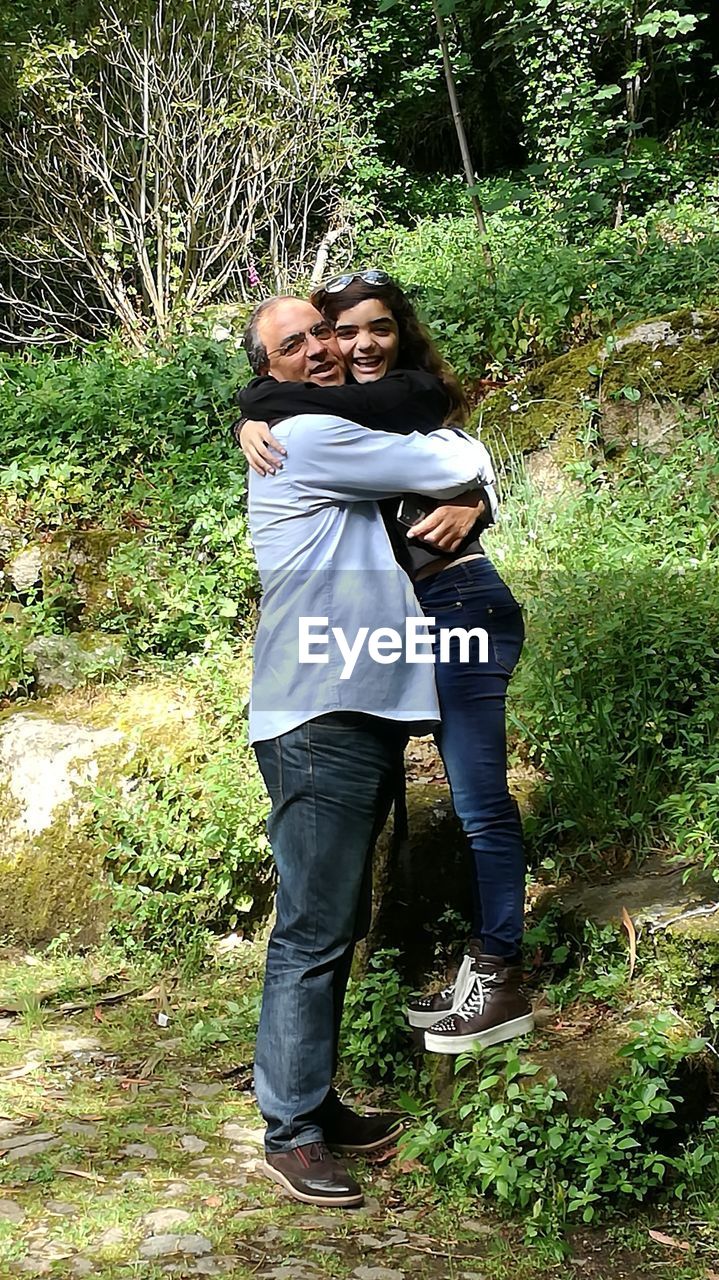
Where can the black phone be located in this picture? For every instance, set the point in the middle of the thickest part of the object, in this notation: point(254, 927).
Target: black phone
point(412, 509)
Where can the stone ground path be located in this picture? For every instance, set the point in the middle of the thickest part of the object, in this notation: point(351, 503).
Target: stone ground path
point(129, 1147)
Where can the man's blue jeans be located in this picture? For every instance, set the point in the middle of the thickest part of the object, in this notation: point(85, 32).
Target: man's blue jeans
point(331, 782)
point(472, 740)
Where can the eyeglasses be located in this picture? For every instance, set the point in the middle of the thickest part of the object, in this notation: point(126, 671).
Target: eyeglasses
point(338, 283)
point(296, 341)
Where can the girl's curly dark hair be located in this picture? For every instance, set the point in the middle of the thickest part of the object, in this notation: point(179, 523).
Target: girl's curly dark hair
point(416, 348)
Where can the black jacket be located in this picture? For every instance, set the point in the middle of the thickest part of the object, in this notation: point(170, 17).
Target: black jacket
point(404, 401)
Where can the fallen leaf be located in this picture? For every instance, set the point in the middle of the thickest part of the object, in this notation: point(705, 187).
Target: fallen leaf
point(155, 993)
point(148, 1067)
point(632, 934)
point(669, 1241)
point(97, 1014)
point(408, 1166)
point(381, 1157)
point(114, 997)
point(83, 1173)
point(19, 1072)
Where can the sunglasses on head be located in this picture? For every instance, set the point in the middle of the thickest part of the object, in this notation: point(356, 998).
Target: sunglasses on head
point(338, 283)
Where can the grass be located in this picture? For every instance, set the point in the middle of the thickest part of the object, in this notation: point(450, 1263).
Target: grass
point(108, 1076)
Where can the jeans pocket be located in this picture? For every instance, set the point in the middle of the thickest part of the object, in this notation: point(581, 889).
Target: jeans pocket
point(505, 625)
point(269, 759)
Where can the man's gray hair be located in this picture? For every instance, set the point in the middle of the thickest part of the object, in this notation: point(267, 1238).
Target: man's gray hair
point(251, 341)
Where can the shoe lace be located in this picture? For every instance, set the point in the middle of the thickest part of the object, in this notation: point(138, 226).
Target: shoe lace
point(474, 999)
point(317, 1151)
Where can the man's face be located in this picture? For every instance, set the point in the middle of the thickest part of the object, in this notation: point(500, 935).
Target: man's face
point(316, 358)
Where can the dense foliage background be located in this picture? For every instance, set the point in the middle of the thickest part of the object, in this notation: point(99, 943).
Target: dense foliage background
point(165, 165)
point(163, 157)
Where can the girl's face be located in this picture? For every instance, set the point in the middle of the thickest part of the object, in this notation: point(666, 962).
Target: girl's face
point(368, 337)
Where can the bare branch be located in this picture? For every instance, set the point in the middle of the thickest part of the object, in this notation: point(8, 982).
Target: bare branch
point(157, 165)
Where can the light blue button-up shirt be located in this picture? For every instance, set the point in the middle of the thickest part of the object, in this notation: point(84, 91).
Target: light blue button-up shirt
point(331, 584)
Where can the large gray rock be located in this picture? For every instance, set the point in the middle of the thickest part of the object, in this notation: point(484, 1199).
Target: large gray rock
point(658, 897)
point(65, 662)
point(24, 570)
point(42, 765)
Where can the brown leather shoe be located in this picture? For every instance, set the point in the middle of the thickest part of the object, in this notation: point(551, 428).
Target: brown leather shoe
point(494, 1009)
point(354, 1135)
point(311, 1174)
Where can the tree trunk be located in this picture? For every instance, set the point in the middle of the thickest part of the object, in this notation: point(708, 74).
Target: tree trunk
point(418, 880)
point(469, 171)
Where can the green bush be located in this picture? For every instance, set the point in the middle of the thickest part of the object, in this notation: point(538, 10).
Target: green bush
point(376, 1047)
point(617, 695)
point(551, 290)
point(142, 447)
point(184, 837)
point(691, 816)
point(589, 961)
point(509, 1135)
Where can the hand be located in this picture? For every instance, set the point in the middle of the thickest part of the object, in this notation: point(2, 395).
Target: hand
point(259, 446)
point(447, 526)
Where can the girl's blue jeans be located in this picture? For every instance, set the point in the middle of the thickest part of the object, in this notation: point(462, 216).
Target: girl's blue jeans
point(472, 740)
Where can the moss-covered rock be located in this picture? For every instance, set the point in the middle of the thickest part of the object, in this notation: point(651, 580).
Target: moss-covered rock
point(553, 402)
point(51, 870)
point(75, 570)
point(619, 390)
point(674, 923)
point(585, 1061)
point(64, 662)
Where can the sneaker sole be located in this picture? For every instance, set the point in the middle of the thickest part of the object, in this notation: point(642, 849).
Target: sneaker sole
point(425, 1020)
point(495, 1035)
point(369, 1147)
point(334, 1202)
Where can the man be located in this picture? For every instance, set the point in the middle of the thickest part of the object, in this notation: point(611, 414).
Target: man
point(332, 704)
